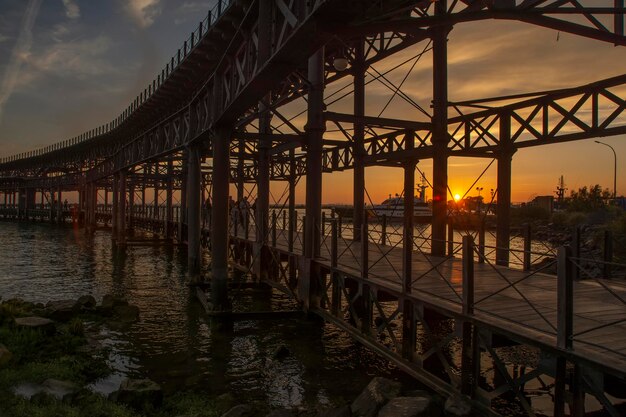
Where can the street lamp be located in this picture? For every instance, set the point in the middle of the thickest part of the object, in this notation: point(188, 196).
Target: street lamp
point(615, 168)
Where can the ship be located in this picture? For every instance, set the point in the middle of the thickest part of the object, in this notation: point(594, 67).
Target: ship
point(393, 207)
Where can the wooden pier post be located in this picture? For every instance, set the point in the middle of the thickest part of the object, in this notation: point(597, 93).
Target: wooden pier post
point(565, 325)
point(527, 246)
point(194, 211)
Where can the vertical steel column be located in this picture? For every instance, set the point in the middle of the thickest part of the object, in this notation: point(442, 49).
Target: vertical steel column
point(220, 220)
point(309, 285)
point(90, 207)
point(240, 172)
point(440, 132)
point(503, 207)
point(169, 214)
point(115, 207)
point(131, 205)
point(59, 206)
point(182, 213)
point(265, 129)
point(358, 71)
point(315, 128)
point(194, 220)
point(155, 200)
point(409, 330)
point(121, 202)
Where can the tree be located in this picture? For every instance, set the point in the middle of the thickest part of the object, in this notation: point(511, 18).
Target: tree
point(588, 199)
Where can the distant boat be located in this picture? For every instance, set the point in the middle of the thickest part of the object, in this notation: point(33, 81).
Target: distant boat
point(393, 207)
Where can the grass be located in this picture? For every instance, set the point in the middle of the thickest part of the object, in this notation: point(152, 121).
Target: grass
point(37, 357)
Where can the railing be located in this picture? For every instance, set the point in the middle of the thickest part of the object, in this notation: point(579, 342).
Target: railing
point(173, 63)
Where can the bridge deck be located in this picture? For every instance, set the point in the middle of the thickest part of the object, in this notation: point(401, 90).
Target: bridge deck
point(522, 304)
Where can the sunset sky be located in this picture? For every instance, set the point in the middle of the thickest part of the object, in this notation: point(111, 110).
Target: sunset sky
point(71, 65)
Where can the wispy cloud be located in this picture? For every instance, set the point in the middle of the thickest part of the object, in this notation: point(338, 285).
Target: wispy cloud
point(143, 12)
point(21, 50)
point(78, 59)
point(71, 9)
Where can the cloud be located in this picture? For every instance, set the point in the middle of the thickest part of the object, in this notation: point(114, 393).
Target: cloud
point(143, 12)
point(3, 38)
point(21, 51)
point(78, 59)
point(71, 9)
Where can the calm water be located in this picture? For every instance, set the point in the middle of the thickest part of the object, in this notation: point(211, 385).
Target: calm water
point(173, 342)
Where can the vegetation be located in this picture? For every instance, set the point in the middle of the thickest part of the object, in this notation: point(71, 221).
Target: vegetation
point(37, 357)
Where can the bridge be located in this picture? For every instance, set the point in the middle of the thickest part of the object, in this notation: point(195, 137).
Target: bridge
point(247, 102)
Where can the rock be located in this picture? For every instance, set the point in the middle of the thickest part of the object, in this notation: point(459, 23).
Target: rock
point(374, 396)
point(242, 410)
point(281, 413)
point(36, 323)
point(224, 402)
point(126, 313)
point(61, 390)
point(406, 407)
point(62, 310)
point(5, 355)
point(336, 412)
point(42, 398)
point(86, 302)
point(281, 352)
point(456, 406)
point(108, 303)
point(138, 393)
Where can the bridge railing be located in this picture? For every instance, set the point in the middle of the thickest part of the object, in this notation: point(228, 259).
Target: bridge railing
point(213, 15)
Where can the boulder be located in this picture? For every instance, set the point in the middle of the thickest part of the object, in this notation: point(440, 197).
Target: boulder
point(138, 393)
point(5, 355)
point(281, 413)
point(61, 390)
point(406, 407)
point(36, 323)
point(86, 302)
point(377, 393)
point(62, 310)
point(457, 406)
point(337, 412)
point(242, 410)
point(126, 313)
point(108, 303)
point(281, 352)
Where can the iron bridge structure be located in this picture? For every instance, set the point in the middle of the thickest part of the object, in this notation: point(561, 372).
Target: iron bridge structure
point(269, 95)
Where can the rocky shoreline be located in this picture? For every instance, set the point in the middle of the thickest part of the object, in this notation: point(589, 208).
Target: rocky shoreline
point(49, 361)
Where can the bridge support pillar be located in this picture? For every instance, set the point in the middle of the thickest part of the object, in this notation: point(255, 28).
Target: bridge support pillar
point(194, 218)
point(114, 207)
point(91, 196)
point(309, 285)
point(121, 211)
point(358, 69)
point(503, 207)
point(440, 133)
point(409, 326)
point(169, 210)
point(131, 207)
point(182, 217)
point(59, 218)
point(220, 220)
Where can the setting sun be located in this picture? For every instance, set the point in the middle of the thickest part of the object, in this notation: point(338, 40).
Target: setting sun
point(457, 197)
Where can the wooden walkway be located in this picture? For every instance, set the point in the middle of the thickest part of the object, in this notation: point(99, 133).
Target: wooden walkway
point(513, 302)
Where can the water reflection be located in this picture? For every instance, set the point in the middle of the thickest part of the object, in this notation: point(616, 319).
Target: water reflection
point(173, 343)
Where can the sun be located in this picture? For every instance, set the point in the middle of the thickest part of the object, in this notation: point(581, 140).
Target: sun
point(457, 197)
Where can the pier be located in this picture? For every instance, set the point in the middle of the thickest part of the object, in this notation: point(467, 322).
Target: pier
point(245, 108)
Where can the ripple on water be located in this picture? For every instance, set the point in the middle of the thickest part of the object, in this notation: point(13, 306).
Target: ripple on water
point(172, 342)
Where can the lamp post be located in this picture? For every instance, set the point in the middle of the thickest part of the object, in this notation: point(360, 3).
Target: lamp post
point(614, 169)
